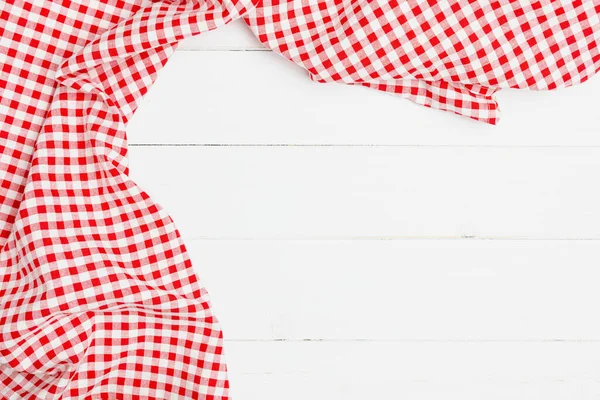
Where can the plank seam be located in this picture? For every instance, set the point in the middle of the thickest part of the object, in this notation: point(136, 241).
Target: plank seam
point(399, 238)
point(360, 340)
point(358, 145)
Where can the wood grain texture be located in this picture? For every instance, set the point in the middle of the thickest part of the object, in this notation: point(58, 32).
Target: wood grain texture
point(246, 153)
point(416, 371)
point(375, 192)
point(235, 36)
point(419, 290)
point(229, 97)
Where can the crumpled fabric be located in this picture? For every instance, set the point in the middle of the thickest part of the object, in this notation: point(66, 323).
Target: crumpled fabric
point(451, 55)
point(98, 298)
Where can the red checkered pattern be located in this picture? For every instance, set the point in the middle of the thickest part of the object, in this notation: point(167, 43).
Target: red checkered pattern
point(98, 299)
point(450, 55)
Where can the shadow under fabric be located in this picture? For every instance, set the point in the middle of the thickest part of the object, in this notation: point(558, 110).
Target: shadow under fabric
point(98, 298)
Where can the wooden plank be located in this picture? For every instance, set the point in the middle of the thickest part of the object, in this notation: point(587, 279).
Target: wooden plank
point(375, 192)
point(235, 36)
point(261, 98)
point(428, 290)
point(416, 371)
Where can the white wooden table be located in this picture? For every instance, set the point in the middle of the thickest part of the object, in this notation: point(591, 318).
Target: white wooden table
point(357, 246)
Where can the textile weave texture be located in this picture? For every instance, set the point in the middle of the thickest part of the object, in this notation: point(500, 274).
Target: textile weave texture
point(98, 298)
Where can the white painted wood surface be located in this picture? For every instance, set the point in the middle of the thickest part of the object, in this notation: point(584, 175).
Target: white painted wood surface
point(209, 97)
point(375, 192)
point(424, 290)
point(357, 246)
point(416, 371)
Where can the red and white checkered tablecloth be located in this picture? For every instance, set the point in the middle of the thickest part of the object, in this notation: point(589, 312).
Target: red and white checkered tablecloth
point(98, 299)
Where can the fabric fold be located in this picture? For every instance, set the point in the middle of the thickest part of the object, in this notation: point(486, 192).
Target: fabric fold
point(451, 55)
point(98, 297)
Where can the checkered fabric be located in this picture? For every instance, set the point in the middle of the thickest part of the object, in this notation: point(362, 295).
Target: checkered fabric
point(98, 299)
point(450, 55)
